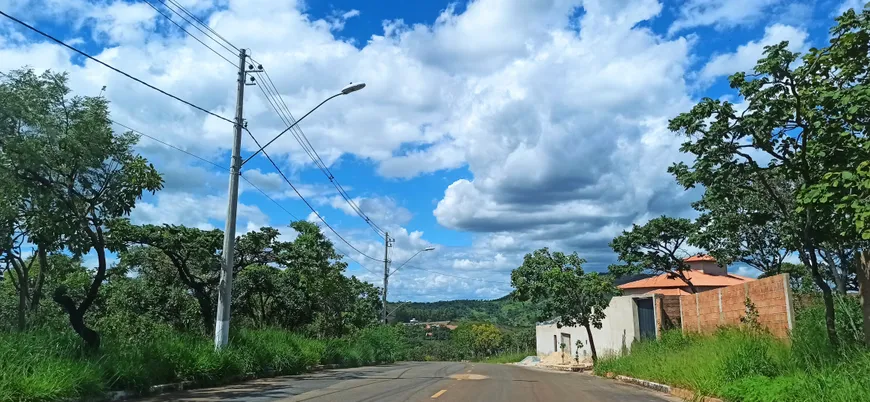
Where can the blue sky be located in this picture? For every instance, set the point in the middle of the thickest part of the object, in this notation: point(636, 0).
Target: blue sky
point(488, 128)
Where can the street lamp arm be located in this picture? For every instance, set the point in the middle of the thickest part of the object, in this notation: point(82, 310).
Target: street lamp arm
point(292, 125)
point(412, 257)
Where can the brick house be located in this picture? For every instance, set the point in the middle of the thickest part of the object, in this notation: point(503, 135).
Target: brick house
point(705, 273)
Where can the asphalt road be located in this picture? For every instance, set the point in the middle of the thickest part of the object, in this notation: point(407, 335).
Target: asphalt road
point(435, 381)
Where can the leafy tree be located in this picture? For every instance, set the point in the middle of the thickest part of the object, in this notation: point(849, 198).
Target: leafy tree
point(75, 173)
point(803, 121)
point(739, 226)
point(557, 283)
point(487, 339)
point(196, 255)
point(656, 246)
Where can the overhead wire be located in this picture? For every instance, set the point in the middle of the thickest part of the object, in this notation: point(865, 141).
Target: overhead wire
point(281, 173)
point(186, 31)
point(184, 10)
point(283, 111)
point(64, 44)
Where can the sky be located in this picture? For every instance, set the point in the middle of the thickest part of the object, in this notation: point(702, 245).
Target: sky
point(487, 129)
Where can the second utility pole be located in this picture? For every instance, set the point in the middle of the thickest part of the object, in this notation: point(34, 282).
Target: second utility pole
point(386, 272)
point(225, 288)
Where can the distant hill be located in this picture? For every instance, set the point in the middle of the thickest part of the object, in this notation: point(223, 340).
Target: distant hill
point(502, 311)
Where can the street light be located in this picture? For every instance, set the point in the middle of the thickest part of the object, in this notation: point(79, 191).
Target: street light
point(409, 259)
point(387, 275)
point(344, 91)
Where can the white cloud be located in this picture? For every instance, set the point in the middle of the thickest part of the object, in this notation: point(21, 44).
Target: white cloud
point(746, 55)
point(857, 5)
point(720, 14)
point(560, 120)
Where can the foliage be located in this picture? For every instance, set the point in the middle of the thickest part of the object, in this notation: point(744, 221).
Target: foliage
point(46, 365)
point(503, 311)
point(746, 365)
point(70, 173)
point(798, 146)
point(559, 285)
point(656, 246)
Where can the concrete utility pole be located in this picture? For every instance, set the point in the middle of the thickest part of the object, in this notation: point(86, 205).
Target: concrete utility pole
point(386, 273)
point(225, 288)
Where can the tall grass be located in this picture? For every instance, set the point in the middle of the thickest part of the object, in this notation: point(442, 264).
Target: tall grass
point(510, 357)
point(44, 366)
point(743, 365)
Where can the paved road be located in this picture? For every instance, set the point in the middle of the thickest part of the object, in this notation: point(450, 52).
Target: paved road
point(439, 382)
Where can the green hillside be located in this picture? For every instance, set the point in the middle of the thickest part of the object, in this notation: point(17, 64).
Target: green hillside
point(503, 311)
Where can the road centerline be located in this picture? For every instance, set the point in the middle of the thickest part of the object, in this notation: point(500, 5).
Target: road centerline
point(439, 393)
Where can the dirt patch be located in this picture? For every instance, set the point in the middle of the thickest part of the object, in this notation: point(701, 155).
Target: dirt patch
point(468, 377)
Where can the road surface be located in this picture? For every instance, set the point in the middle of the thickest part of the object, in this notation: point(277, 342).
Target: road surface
point(419, 381)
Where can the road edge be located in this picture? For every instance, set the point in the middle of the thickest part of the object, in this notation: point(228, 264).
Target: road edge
point(681, 393)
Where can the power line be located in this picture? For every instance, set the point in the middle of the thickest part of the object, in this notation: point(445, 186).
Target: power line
point(454, 276)
point(171, 146)
point(280, 172)
point(58, 41)
point(288, 119)
point(188, 33)
point(206, 26)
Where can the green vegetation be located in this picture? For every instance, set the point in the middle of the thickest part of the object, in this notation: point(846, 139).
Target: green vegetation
point(742, 364)
point(558, 283)
point(506, 311)
point(43, 365)
point(508, 357)
point(469, 341)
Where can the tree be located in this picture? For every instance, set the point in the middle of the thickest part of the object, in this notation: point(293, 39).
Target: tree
point(487, 339)
point(196, 255)
point(74, 172)
point(740, 226)
point(802, 122)
point(656, 246)
point(557, 283)
point(838, 96)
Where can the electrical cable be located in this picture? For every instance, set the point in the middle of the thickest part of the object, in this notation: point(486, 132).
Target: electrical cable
point(281, 173)
point(206, 27)
point(60, 42)
point(188, 33)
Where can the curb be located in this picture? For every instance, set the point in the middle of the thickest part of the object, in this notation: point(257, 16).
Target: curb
point(681, 393)
point(113, 396)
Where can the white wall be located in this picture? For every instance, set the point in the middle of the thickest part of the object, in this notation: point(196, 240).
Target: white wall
point(619, 327)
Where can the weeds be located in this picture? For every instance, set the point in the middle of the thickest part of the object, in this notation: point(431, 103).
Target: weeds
point(43, 366)
point(742, 364)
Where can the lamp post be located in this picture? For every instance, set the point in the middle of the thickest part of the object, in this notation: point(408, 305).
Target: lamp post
point(387, 275)
point(225, 286)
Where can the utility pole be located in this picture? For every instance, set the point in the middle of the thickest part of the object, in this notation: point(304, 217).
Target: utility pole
point(225, 288)
point(386, 272)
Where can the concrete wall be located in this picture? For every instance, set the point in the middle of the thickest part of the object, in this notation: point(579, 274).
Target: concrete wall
point(704, 312)
point(618, 330)
point(709, 267)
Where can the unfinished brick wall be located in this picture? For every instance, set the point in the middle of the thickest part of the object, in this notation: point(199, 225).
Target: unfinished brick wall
point(706, 311)
point(668, 312)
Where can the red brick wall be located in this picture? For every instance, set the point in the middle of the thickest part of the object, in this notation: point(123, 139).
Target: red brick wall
point(668, 312)
point(709, 310)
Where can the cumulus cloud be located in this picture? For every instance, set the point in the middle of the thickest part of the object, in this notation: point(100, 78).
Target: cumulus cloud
point(558, 114)
point(746, 55)
point(720, 14)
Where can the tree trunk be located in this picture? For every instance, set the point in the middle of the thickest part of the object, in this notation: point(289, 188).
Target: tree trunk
point(827, 296)
point(77, 319)
point(206, 312)
point(22, 304)
point(863, 274)
point(591, 343)
point(40, 280)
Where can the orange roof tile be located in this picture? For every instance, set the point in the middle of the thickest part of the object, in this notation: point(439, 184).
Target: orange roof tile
point(669, 292)
point(698, 278)
point(700, 258)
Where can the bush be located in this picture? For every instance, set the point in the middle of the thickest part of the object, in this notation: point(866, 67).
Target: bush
point(749, 366)
point(41, 366)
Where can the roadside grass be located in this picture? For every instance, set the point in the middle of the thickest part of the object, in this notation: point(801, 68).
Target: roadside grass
point(507, 357)
point(46, 366)
point(749, 366)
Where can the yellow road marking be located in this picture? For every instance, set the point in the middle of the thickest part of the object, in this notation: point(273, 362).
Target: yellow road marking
point(439, 393)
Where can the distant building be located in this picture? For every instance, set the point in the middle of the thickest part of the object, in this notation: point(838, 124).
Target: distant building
point(705, 273)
